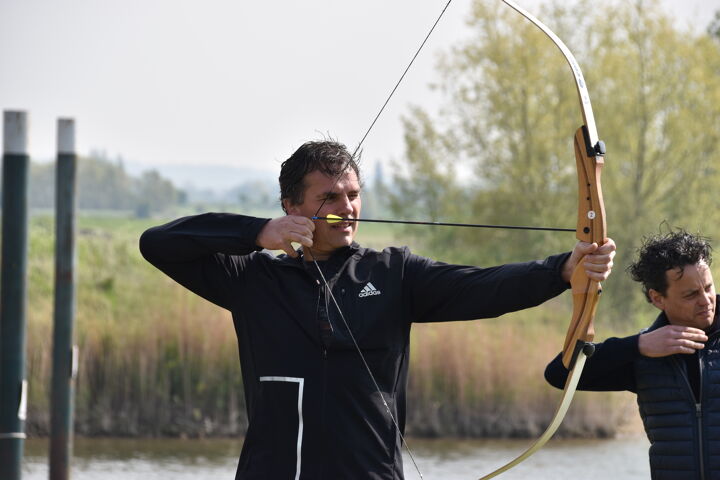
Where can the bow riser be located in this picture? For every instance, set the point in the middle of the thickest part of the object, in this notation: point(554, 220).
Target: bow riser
point(591, 228)
point(591, 224)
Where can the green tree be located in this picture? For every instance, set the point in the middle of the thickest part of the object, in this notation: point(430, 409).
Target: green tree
point(510, 114)
point(714, 27)
point(103, 184)
point(153, 193)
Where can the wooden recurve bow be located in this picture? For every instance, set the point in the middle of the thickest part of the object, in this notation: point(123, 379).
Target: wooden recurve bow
point(591, 228)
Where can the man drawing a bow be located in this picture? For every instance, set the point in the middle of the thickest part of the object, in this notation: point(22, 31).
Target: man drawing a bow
point(324, 330)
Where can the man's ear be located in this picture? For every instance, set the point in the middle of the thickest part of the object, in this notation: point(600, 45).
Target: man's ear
point(657, 299)
point(289, 207)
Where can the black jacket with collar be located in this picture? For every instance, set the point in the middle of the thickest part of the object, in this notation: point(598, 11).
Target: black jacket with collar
point(313, 410)
point(683, 427)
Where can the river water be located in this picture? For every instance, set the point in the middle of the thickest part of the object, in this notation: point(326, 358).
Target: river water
point(129, 459)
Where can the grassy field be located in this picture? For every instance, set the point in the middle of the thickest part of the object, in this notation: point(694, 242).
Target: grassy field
point(156, 360)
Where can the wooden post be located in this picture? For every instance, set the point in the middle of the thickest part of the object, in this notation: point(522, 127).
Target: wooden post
point(13, 293)
point(64, 355)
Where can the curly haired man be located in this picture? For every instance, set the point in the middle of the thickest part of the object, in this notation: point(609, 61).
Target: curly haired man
point(674, 365)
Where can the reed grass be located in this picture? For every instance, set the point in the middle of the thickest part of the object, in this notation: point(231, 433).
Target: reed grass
point(156, 360)
point(486, 379)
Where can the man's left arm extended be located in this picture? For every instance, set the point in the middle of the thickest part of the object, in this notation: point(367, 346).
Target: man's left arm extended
point(443, 292)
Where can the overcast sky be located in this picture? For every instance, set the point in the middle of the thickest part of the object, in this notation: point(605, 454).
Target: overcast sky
point(226, 82)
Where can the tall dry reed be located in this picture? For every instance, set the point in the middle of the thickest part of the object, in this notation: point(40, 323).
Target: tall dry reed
point(486, 379)
point(157, 360)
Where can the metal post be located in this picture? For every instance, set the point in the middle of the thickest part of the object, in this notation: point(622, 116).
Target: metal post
point(13, 294)
point(64, 355)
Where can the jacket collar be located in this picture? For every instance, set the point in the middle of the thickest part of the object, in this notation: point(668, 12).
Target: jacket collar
point(659, 322)
point(337, 259)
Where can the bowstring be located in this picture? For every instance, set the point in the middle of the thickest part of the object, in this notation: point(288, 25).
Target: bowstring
point(367, 368)
point(387, 100)
point(322, 276)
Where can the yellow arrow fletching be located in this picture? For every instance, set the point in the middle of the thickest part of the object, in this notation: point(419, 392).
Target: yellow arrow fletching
point(330, 218)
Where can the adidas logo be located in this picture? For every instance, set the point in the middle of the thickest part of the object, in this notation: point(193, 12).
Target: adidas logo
point(369, 290)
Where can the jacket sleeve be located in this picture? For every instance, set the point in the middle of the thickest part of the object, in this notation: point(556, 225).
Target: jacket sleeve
point(610, 368)
point(441, 292)
point(205, 253)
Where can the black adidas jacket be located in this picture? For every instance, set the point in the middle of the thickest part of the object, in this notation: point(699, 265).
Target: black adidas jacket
point(313, 410)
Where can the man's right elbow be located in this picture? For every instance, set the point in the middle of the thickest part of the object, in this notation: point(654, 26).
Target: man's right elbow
point(147, 244)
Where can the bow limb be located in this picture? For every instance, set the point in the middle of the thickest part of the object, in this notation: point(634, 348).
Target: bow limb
point(568, 393)
point(591, 228)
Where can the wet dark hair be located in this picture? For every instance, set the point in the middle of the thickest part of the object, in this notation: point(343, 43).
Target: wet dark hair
point(671, 251)
point(327, 156)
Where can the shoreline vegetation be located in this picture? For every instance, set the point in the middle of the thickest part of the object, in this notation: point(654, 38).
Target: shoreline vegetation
point(158, 361)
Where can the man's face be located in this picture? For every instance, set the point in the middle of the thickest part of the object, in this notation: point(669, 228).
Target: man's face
point(341, 199)
point(690, 297)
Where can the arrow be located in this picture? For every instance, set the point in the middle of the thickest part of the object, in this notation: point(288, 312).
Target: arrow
point(336, 219)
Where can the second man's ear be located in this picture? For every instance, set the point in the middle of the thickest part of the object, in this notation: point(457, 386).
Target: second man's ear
point(657, 299)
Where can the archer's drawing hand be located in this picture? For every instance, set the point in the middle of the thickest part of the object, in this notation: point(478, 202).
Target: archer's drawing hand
point(597, 260)
point(671, 339)
point(279, 232)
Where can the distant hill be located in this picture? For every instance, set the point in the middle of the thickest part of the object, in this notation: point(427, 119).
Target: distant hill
point(206, 177)
point(112, 183)
point(104, 184)
point(206, 185)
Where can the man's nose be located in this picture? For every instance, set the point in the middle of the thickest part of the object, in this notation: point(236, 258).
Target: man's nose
point(707, 298)
point(345, 207)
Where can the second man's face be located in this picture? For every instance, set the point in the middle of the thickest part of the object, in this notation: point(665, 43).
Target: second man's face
point(690, 297)
point(341, 198)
